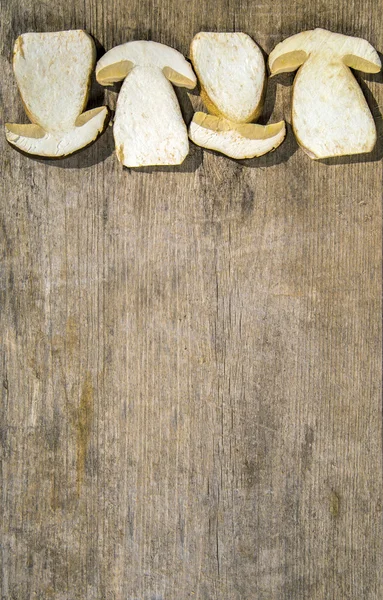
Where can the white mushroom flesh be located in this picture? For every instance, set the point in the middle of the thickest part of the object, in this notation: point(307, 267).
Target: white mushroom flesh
point(240, 142)
point(330, 115)
point(149, 128)
point(231, 69)
point(53, 72)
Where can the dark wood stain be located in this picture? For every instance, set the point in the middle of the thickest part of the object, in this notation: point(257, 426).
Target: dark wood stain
point(84, 425)
point(334, 504)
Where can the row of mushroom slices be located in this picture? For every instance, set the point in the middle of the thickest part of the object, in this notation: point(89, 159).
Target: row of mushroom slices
point(330, 115)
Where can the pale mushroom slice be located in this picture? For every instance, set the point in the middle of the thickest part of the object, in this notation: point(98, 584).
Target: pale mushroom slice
point(148, 126)
point(238, 141)
point(330, 115)
point(231, 71)
point(53, 72)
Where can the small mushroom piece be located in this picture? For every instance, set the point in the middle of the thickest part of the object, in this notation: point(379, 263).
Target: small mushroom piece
point(231, 70)
point(53, 72)
point(237, 140)
point(148, 126)
point(330, 115)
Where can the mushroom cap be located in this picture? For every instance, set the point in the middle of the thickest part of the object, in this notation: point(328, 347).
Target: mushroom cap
point(32, 138)
point(116, 64)
point(354, 52)
point(148, 126)
point(231, 69)
point(53, 71)
point(235, 140)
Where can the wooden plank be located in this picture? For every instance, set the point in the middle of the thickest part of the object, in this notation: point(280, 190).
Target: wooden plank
point(191, 373)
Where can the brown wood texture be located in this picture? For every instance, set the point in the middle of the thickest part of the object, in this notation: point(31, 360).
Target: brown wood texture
point(191, 357)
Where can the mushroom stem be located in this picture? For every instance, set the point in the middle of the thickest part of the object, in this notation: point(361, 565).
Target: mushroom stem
point(148, 128)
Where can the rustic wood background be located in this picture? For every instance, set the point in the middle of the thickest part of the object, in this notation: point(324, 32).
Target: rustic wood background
point(191, 365)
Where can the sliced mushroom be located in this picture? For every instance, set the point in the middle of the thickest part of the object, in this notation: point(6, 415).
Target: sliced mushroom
point(330, 115)
point(148, 127)
point(231, 70)
point(236, 140)
point(53, 71)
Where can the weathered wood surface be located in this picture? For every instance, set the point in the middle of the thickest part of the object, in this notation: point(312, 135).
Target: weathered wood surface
point(191, 365)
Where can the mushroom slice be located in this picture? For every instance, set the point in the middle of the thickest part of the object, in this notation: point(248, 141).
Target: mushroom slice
point(231, 70)
point(330, 115)
point(235, 140)
point(53, 71)
point(148, 126)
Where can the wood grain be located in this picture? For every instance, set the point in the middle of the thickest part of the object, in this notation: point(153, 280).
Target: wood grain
point(191, 358)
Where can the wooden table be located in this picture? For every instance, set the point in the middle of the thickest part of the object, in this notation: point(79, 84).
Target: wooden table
point(191, 365)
